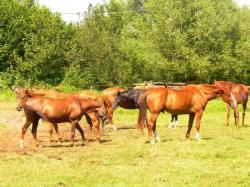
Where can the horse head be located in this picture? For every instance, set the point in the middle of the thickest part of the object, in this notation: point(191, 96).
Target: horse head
point(117, 100)
point(227, 95)
point(22, 96)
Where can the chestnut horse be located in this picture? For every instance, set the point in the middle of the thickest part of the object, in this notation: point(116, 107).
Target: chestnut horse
point(57, 110)
point(91, 117)
point(191, 100)
point(133, 98)
point(240, 94)
point(108, 97)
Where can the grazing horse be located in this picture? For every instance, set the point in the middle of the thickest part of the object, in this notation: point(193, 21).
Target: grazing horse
point(108, 97)
point(91, 117)
point(57, 110)
point(240, 95)
point(133, 97)
point(191, 100)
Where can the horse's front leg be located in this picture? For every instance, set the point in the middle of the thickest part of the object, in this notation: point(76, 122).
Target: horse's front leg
point(110, 115)
point(228, 113)
point(34, 131)
point(236, 116)
point(50, 125)
point(152, 127)
point(172, 121)
point(190, 124)
point(24, 129)
point(198, 123)
point(96, 123)
point(59, 134)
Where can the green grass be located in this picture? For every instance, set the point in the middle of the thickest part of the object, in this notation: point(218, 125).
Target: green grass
point(221, 158)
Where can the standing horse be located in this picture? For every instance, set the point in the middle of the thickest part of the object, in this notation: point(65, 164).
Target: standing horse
point(190, 100)
point(108, 97)
point(134, 97)
point(57, 110)
point(240, 95)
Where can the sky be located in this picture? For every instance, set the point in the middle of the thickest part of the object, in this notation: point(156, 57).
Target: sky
point(70, 8)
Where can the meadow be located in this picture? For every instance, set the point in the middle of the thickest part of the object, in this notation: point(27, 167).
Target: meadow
point(124, 158)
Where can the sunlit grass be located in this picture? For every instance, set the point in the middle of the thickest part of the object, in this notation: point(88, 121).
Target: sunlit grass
point(221, 158)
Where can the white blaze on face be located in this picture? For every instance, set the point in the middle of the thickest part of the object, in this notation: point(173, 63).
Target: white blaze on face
point(234, 100)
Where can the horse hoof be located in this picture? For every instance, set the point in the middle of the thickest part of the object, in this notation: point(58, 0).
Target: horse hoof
point(152, 142)
point(157, 139)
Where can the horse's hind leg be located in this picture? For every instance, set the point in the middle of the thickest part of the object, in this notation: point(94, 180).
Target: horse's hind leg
point(90, 126)
point(73, 127)
point(59, 135)
point(190, 124)
point(50, 133)
point(157, 138)
point(152, 126)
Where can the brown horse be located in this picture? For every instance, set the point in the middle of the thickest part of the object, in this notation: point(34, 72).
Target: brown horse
point(91, 117)
point(57, 110)
point(240, 95)
point(108, 97)
point(190, 100)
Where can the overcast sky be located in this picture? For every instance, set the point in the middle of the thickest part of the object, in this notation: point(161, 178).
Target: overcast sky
point(70, 8)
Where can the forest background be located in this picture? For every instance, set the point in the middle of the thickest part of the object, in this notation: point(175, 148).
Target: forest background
point(124, 42)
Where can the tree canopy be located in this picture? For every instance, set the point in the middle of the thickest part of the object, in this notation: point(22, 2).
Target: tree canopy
point(125, 42)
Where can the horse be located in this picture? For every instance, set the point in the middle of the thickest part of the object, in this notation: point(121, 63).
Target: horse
point(134, 97)
point(191, 100)
point(240, 95)
point(91, 117)
point(57, 110)
point(108, 97)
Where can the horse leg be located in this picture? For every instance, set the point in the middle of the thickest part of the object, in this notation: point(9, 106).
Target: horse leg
point(110, 114)
point(73, 127)
point(151, 126)
point(176, 121)
point(79, 128)
point(236, 116)
point(157, 138)
point(243, 113)
point(90, 127)
point(50, 133)
point(96, 123)
point(228, 113)
point(34, 131)
point(190, 124)
point(198, 124)
point(24, 129)
point(59, 135)
point(171, 122)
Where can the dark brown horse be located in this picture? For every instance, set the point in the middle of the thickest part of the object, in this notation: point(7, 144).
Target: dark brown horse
point(58, 110)
point(240, 95)
point(190, 100)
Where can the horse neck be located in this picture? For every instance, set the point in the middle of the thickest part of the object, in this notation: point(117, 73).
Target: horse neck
point(88, 104)
point(33, 94)
point(210, 91)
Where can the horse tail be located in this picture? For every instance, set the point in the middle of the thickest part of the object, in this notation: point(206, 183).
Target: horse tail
point(142, 118)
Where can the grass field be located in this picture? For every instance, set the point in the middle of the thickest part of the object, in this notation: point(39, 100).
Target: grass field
point(221, 158)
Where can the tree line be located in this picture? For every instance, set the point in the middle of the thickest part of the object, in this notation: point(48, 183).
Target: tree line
point(125, 42)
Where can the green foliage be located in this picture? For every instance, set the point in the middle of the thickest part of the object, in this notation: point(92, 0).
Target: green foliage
point(123, 42)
